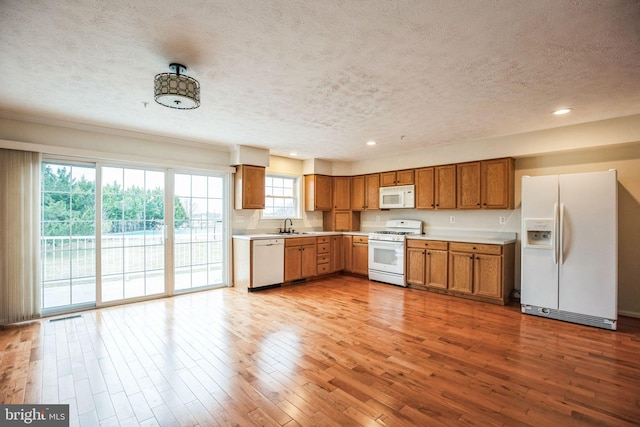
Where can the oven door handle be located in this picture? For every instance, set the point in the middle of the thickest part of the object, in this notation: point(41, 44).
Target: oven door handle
point(385, 243)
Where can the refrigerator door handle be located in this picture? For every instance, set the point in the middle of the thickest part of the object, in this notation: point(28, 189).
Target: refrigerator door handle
point(555, 233)
point(561, 241)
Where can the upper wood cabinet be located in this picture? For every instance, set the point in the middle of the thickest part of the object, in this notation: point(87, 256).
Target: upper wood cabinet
point(336, 220)
point(318, 191)
point(341, 192)
point(393, 178)
point(365, 192)
point(249, 187)
point(486, 185)
point(436, 187)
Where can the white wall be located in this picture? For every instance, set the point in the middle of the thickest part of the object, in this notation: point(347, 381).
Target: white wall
point(589, 135)
point(250, 221)
point(101, 143)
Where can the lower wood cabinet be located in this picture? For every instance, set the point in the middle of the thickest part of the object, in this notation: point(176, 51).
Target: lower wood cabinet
point(337, 259)
point(360, 255)
point(473, 270)
point(427, 264)
point(481, 271)
point(300, 258)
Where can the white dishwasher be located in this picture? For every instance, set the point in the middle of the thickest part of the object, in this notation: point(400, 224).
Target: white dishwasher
point(267, 262)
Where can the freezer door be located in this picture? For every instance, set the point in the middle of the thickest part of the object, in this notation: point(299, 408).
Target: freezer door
point(589, 244)
point(539, 269)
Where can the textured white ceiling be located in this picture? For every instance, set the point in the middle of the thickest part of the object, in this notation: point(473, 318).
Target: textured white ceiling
point(323, 77)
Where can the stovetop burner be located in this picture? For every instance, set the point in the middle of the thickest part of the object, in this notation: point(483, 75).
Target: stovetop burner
point(397, 229)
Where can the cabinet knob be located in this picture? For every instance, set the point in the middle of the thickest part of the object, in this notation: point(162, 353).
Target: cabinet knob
point(431, 204)
point(478, 204)
point(471, 257)
point(437, 204)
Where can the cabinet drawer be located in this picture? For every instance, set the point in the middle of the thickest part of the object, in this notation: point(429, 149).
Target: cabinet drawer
point(427, 244)
point(323, 248)
point(299, 241)
point(324, 239)
point(323, 259)
point(323, 268)
point(360, 239)
point(476, 247)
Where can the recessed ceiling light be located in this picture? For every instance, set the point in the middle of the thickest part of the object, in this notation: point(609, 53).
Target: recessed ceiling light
point(293, 154)
point(562, 111)
point(371, 143)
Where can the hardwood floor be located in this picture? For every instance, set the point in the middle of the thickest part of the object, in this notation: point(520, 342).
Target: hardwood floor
point(340, 351)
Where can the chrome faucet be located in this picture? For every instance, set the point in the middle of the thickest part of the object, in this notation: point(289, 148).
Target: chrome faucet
point(285, 226)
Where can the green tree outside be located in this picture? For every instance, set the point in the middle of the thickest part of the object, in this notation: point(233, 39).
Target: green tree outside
point(68, 206)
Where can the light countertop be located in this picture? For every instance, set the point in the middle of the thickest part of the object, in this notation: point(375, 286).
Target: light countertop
point(465, 236)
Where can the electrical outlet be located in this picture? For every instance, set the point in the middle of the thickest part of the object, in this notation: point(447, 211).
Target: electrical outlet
point(239, 218)
point(377, 217)
point(452, 219)
point(502, 220)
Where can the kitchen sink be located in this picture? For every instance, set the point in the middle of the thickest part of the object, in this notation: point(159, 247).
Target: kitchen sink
point(294, 233)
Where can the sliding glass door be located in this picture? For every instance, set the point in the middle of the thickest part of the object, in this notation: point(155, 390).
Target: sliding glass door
point(199, 231)
point(127, 257)
point(68, 236)
point(133, 233)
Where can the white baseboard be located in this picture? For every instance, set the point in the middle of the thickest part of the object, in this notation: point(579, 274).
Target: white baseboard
point(628, 313)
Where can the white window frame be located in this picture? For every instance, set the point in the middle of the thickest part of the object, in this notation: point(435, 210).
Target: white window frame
point(297, 196)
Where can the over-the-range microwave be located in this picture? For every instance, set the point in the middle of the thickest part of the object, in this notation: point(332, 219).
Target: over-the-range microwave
point(401, 196)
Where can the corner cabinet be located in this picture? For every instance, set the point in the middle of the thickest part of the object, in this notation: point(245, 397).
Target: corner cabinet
point(488, 184)
point(481, 271)
point(249, 187)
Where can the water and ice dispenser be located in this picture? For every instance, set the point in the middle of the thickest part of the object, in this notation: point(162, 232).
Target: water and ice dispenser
point(539, 233)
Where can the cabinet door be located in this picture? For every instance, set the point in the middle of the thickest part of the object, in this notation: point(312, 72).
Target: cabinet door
point(249, 187)
point(357, 193)
point(337, 260)
point(497, 184)
point(347, 253)
point(488, 275)
point(461, 272)
point(372, 191)
point(437, 269)
point(341, 192)
point(445, 187)
point(469, 186)
point(387, 179)
point(404, 177)
point(342, 220)
point(292, 263)
point(416, 266)
point(318, 190)
point(424, 188)
point(308, 261)
point(360, 258)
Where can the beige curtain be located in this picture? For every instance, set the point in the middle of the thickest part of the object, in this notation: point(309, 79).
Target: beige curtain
point(19, 236)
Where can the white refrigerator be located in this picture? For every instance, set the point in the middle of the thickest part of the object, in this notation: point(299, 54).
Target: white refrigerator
point(570, 248)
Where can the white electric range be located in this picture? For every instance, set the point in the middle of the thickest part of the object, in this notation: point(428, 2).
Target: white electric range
point(386, 251)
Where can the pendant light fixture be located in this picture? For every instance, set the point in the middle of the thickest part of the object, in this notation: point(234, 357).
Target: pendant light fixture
point(176, 90)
